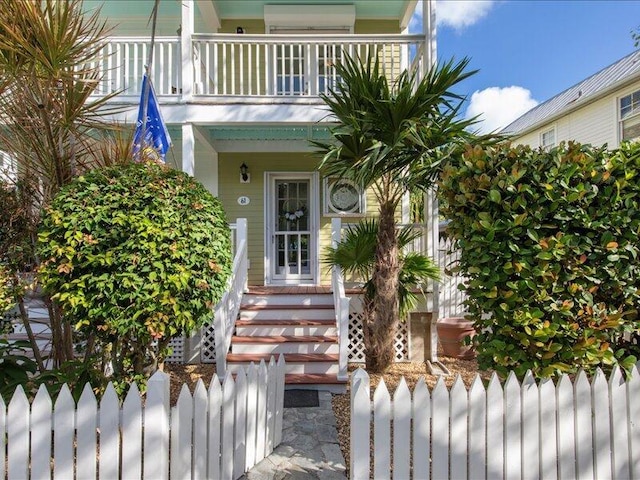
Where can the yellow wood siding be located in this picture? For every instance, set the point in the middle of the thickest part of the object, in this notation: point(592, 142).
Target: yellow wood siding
point(230, 189)
point(368, 27)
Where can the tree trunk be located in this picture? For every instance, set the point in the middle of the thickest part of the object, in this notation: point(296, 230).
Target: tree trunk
point(32, 339)
point(382, 324)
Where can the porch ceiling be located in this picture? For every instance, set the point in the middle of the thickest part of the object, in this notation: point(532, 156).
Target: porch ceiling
point(268, 132)
point(265, 138)
point(374, 9)
point(225, 133)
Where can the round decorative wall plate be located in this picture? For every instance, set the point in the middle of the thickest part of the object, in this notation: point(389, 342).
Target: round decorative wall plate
point(344, 197)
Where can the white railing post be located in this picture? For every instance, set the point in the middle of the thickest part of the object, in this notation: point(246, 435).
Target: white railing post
point(226, 311)
point(241, 236)
point(432, 220)
point(340, 303)
point(186, 49)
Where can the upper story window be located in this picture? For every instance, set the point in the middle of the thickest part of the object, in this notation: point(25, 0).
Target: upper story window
point(301, 67)
point(548, 139)
point(630, 116)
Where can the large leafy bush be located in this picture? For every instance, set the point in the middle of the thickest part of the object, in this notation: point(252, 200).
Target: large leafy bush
point(135, 255)
point(549, 243)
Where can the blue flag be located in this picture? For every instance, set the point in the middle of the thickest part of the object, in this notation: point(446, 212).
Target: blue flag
point(156, 134)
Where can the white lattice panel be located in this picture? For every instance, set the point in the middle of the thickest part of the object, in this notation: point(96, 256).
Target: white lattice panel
point(208, 351)
point(177, 355)
point(356, 336)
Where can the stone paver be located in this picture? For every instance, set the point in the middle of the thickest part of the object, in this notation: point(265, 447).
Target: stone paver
point(309, 448)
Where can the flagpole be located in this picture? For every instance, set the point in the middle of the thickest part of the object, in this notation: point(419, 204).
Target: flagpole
point(147, 85)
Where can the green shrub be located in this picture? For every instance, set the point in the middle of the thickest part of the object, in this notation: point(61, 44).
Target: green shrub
point(549, 243)
point(16, 368)
point(6, 297)
point(135, 255)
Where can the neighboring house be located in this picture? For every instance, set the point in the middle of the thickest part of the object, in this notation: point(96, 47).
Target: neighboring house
point(8, 168)
point(602, 109)
point(238, 83)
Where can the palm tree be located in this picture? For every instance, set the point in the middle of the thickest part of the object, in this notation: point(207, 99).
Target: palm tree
point(355, 254)
point(392, 138)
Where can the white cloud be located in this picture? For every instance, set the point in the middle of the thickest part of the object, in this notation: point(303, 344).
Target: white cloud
point(453, 13)
point(461, 13)
point(498, 107)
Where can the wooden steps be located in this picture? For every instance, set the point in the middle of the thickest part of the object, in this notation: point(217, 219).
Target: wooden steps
point(292, 323)
point(284, 307)
point(288, 357)
point(311, 379)
point(285, 339)
point(300, 326)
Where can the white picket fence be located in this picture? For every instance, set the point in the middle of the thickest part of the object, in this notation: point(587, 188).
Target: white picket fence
point(580, 430)
point(220, 433)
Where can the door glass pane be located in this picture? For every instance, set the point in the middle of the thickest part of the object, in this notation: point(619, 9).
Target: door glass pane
point(280, 246)
point(293, 238)
point(305, 264)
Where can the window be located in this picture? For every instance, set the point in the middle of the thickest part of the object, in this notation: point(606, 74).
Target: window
point(630, 116)
point(548, 139)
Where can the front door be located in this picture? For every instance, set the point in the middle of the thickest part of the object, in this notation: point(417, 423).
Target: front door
point(292, 231)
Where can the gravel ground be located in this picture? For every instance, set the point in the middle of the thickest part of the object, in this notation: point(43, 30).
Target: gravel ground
point(412, 372)
point(189, 375)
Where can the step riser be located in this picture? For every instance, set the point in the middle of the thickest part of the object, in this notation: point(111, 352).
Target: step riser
point(304, 314)
point(275, 348)
point(305, 300)
point(310, 367)
point(262, 331)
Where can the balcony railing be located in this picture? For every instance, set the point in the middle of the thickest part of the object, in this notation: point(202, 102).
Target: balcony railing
point(123, 61)
point(288, 65)
point(251, 65)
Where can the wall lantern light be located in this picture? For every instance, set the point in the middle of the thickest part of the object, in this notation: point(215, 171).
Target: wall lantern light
point(240, 30)
point(245, 177)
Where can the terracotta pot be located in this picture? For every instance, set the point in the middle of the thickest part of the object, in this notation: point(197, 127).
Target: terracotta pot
point(451, 333)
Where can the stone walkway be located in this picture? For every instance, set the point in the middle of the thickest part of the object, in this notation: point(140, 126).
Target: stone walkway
point(309, 448)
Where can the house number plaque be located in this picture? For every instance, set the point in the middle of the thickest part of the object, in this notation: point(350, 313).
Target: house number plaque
point(244, 200)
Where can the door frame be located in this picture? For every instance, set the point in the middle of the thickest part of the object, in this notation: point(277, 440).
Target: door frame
point(270, 178)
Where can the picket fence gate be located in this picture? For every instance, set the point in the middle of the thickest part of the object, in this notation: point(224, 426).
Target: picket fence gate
point(580, 430)
point(220, 433)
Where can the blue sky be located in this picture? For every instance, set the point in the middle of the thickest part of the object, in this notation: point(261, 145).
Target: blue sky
point(530, 50)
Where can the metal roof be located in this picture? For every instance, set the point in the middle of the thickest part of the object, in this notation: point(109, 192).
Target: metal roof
point(579, 95)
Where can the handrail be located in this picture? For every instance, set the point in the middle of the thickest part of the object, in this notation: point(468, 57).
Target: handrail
point(316, 38)
point(226, 311)
point(341, 304)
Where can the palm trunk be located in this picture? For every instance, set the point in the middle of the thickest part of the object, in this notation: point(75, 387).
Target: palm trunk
point(383, 323)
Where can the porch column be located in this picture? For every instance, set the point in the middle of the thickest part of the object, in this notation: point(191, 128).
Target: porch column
point(207, 160)
point(429, 56)
point(186, 47)
point(188, 149)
